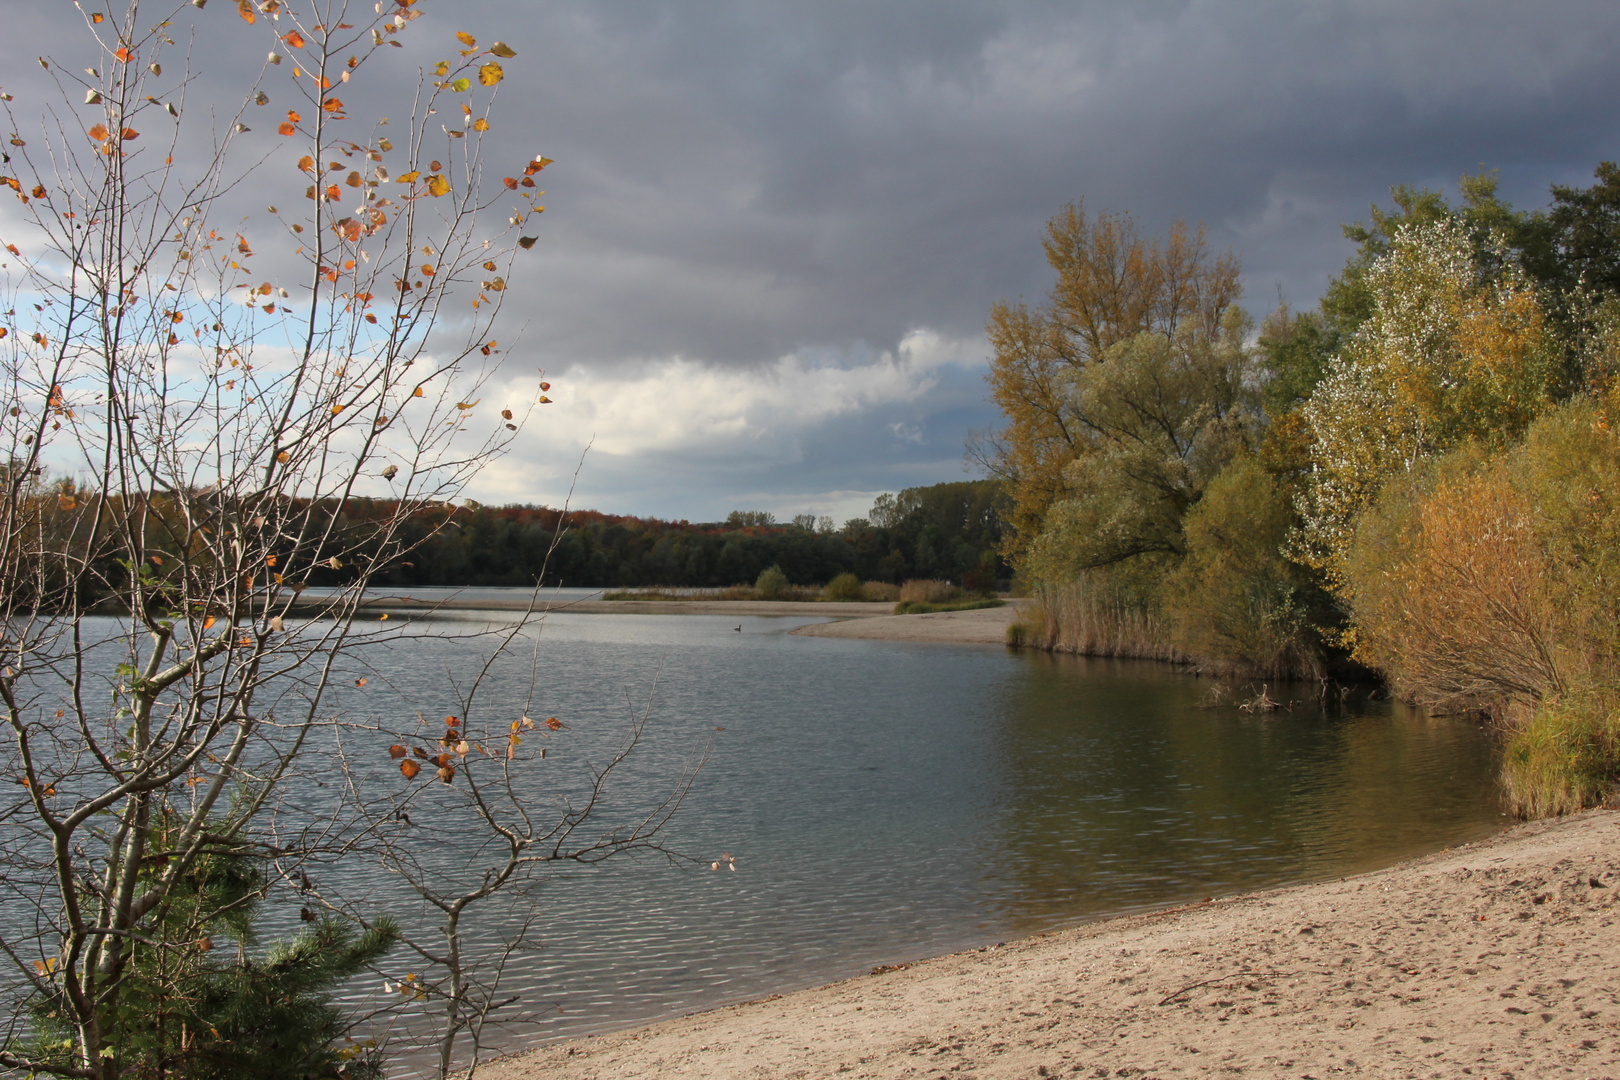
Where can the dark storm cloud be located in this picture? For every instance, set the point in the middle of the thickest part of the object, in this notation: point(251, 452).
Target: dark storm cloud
point(741, 180)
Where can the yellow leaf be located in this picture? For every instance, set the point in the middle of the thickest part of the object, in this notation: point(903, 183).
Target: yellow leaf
point(466, 39)
point(410, 177)
point(489, 74)
point(438, 185)
point(480, 124)
point(503, 50)
point(336, 409)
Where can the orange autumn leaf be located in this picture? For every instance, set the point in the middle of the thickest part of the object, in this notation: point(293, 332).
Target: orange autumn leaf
point(409, 768)
point(244, 8)
point(294, 39)
point(418, 392)
point(123, 54)
point(306, 164)
point(553, 723)
point(98, 132)
point(129, 133)
point(510, 181)
point(286, 129)
point(332, 105)
point(397, 751)
point(293, 117)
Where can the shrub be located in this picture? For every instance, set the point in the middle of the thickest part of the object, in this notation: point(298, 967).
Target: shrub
point(929, 591)
point(1235, 602)
point(1490, 582)
point(845, 586)
point(1563, 758)
point(880, 592)
point(771, 583)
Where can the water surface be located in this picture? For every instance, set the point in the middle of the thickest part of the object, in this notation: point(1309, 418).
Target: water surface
point(887, 801)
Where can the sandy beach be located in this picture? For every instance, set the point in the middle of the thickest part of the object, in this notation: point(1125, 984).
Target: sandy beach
point(1496, 959)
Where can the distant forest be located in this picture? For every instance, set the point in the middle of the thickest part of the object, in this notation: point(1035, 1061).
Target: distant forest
point(951, 531)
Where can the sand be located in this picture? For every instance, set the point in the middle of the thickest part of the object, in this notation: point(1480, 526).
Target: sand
point(983, 626)
point(830, 609)
point(1497, 959)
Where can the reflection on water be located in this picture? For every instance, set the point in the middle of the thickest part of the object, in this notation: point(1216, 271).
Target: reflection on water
point(1117, 790)
point(888, 801)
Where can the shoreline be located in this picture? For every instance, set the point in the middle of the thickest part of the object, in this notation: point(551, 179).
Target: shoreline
point(849, 619)
point(1495, 957)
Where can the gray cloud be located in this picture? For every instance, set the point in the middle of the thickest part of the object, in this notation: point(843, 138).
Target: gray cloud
point(741, 182)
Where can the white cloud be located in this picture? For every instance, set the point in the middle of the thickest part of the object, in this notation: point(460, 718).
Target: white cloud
point(677, 410)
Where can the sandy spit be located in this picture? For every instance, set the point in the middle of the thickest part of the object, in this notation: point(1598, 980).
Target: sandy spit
point(984, 626)
point(1497, 959)
point(830, 609)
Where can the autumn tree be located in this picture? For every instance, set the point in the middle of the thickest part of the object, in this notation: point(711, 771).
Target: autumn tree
point(1455, 347)
point(195, 389)
point(1112, 284)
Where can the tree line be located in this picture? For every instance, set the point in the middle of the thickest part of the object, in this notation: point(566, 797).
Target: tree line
point(952, 531)
point(1417, 477)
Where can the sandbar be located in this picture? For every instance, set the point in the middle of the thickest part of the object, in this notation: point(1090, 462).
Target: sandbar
point(980, 626)
point(1498, 958)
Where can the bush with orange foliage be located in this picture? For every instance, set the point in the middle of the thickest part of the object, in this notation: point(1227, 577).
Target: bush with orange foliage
point(1492, 583)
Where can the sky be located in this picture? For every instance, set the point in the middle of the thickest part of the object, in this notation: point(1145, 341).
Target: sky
point(774, 231)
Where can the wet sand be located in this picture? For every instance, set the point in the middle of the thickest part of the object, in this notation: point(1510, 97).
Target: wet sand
point(1497, 959)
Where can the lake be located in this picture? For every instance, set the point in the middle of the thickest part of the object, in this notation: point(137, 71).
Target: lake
point(886, 802)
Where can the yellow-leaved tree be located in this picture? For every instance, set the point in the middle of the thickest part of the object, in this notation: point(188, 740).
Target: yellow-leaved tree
point(1112, 284)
